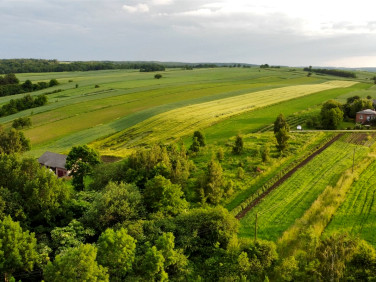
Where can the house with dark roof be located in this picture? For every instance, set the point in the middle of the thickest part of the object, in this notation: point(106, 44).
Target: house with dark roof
point(365, 116)
point(55, 162)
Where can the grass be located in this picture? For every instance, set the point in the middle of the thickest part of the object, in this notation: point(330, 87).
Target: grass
point(125, 98)
point(174, 124)
point(357, 214)
point(279, 210)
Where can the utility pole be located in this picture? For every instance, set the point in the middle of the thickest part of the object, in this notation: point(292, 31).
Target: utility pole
point(353, 161)
point(256, 227)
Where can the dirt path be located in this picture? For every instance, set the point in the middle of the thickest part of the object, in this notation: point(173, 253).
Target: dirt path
point(285, 177)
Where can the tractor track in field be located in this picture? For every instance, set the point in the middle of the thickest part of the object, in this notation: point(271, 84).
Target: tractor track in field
point(286, 176)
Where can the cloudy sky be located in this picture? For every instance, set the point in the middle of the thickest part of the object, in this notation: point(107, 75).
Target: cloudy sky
point(277, 32)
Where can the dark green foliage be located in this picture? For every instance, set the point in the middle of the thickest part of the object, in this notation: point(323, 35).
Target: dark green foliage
point(13, 141)
point(341, 73)
point(158, 76)
point(9, 78)
point(195, 147)
point(200, 231)
point(17, 248)
point(264, 66)
point(21, 104)
point(331, 114)
point(21, 122)
point(76, 264)
point(355, 104)
point(80, 162)
point(200, 138)
point(69, 236)
point(151, 67)
point(239, 145)
point(281, 132)
point(116, 204)
point(162, 196)
point(33, 195)
point(53, 82)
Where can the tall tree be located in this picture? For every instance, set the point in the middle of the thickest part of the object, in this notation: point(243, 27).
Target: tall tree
point(281, 132)
point(80, 162)
point(200, 138)
point(17, 248)
point(239, 145)
point(213, 182)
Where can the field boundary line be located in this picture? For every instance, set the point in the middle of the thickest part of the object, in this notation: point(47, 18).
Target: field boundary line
point(242, 213)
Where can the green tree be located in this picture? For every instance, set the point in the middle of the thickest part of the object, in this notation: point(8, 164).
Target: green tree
point(33, 195)
point(116, 251)
point(21, 122)
point(17, 248)
point(332, 253)
point(70, 236)
point(53, 82)
point(200, 138)
point(265, 153)
point(281, 132)
point(199, 232)
point(80, 162)
point(158, 76)
point(195, 147)
point(152, 266)
point(176, 262)
point(114, 205)
point(163, 196)
point(76, 264)
point(331, 114)
point(13, 141)
point(213, 182)
point(239, 144)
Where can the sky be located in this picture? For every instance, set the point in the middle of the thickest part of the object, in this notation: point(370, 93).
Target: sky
point(289, 32)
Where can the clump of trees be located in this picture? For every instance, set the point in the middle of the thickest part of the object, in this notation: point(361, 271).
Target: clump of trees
point(21, 104)
point(9, 85)
point(336, 72)
point(331, 114)
point(20, 123)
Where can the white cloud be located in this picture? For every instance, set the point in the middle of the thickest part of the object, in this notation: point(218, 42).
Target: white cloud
point(161, 2)
point(139, 8)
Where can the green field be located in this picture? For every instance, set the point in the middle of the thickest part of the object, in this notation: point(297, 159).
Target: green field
point(279, 210)
point(357, 214)
point(126, 98)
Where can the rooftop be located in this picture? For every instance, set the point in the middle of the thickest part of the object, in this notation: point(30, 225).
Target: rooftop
point(53, 160)
point(367, 112)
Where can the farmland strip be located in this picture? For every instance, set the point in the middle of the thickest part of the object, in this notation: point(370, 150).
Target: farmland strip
point(286, 176)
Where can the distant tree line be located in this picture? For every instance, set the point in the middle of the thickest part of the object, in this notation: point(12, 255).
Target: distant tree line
point(341, 73)
point(21, 104)
point(10, 85)
point(39, 65)
point(42, 65)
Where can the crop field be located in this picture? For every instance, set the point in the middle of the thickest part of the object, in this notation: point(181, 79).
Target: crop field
point(177, 123)
point(80, 112)
point(357, 214)
point(279, 210)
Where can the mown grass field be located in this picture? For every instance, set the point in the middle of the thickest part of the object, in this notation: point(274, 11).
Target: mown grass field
point(125, 98)
point(357, 214)
point(279, 210)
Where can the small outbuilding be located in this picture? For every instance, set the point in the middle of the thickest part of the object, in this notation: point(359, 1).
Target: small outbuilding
point(365, 116)
point(55, 162)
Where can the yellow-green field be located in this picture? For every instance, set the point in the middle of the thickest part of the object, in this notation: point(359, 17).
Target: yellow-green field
point(174, 124)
